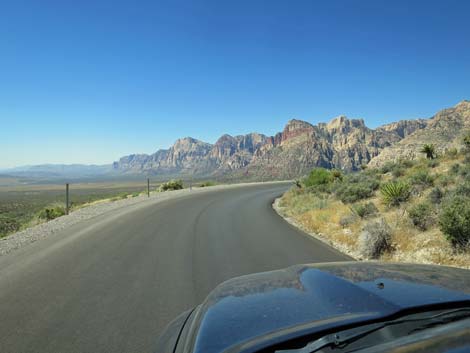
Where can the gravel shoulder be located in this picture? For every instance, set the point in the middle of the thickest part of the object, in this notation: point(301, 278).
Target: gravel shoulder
point(99, 209)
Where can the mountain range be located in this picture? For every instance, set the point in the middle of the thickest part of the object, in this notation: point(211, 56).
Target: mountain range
point(342, 143)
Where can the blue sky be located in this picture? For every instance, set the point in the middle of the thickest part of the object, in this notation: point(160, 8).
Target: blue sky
point(90, 81)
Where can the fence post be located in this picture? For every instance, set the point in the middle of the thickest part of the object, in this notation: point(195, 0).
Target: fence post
point(67, 198)
point(148, 187)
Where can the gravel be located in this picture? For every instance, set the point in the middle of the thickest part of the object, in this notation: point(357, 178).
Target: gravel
point(40, 231)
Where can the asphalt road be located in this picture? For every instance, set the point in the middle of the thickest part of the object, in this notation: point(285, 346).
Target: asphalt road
point(112, 283)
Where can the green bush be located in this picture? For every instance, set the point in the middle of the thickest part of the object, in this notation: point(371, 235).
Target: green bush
point(318, 176)
point(171, 185)
point(421, 215)
point(452, 153)
point(397, 169)
point(436, 195)
point(364, 210)
point(395, 192)
point(50, 213)
point(454, 220)
point(421, 179)
point(357, 187)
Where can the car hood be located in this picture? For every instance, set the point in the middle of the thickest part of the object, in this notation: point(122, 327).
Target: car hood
point(244, 313)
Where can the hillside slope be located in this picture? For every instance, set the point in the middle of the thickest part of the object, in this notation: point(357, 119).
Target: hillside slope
point(445, 130)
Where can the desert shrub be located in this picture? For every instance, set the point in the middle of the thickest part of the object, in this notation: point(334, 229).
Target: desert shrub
point(375, 239)
point(206, 184)
point(436, 195)
point(398, 171)
point(454, 220)
point(387, 167)
point(406, 163)
point(364, 210)
point(51, 212)
point(463, 189)
point(421, 179)
point(421, 215)
point(357, 187)
point(337, 175)
point(347, 220)
point(171, 185)
point(318, 176)
point(395, 192)
point(452, 153)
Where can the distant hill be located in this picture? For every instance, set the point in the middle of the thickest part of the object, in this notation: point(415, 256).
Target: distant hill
point(59, 171)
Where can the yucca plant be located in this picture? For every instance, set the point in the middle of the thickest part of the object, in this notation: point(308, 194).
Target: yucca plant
point(395, 192)
point(429, 150)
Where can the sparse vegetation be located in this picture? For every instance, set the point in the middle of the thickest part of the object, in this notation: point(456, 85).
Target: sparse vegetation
point(360, 213)
point(421, 179)
point(25, 205)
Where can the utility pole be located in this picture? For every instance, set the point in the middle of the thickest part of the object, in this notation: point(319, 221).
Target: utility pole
point(67, 198)
point(148, 187)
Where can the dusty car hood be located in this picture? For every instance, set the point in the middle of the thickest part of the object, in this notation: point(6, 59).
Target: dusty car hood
point(242, 313)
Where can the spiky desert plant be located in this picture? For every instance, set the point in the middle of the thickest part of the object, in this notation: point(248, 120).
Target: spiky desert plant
point(429, 150)
point(395, 192)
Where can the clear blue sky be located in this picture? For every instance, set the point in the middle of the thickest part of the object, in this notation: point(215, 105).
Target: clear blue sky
point(89, 81)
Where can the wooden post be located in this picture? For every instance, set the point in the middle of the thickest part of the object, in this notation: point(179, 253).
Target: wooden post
point(148, 187)
point(67, 198)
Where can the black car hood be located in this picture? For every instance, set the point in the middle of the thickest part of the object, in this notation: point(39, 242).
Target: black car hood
point(243, 312)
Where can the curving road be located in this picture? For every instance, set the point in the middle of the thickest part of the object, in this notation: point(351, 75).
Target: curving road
point(110, 284)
